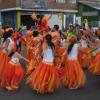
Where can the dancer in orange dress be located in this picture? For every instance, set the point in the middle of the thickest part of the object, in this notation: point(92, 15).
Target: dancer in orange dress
point(84, 59)
point(36, 51)
point(28, 38)
point(95, 65)
point(45, 77)
point(7, 46)
point(61, 57)
point(60, 50)
point(13, 73)
point(74, 74)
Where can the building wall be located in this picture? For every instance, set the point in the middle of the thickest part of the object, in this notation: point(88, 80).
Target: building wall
point(62, 19)
point(56, 19)
point(92, 19)
point(8, 4)
point(14, 17)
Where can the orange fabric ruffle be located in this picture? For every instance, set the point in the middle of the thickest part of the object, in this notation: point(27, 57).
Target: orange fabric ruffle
point(60, 59)
point(44, 79)
point(34, 62)
point(3, 60)
point(29, 53)
point(12, 75)
point(84, 59)
point(95, 65)
point(34, 48)
point(61, 74)
point(74, 74)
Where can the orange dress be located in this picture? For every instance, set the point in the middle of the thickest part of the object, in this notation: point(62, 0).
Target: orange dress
point(36, 52)
point(28, 39)
point(61, 60)
point(84, 59)
point(13, 73)
point(3, 60)
point(4, 55)
point(44, 79)
point(75, 77)
point(95, 65)
point(60, 51)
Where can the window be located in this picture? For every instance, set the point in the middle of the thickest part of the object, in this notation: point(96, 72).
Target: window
point(65, 1)
point(60, 1)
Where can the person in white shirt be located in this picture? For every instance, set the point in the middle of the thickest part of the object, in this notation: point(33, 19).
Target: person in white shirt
point(6, 48)
point(44, 78)
point(13, 73)
point(95, 65)
point(74, 74)
point(84, 59)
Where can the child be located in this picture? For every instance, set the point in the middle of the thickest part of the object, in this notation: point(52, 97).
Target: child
point(84, 59)
point(35, 51)
point(13, 73)
point(74, 74)
point(95, 65)
point(7, 47)
point(45, 78)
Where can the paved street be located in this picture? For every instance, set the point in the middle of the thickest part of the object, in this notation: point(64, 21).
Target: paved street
point(90, 92)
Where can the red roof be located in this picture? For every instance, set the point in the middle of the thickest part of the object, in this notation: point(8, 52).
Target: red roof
point(8, 4)
point(67, 6)
point(51, 5)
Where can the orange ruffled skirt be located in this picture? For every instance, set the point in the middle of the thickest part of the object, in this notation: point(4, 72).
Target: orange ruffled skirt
point(84, 59)
point(95, 65)
point(34, 62)
point(3, 60)
point(62, 59)
point(12, 75)
point(75, 77)
point(61, 74)
point(45, 78)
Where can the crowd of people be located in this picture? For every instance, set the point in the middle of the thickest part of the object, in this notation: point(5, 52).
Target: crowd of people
point(54, 58)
